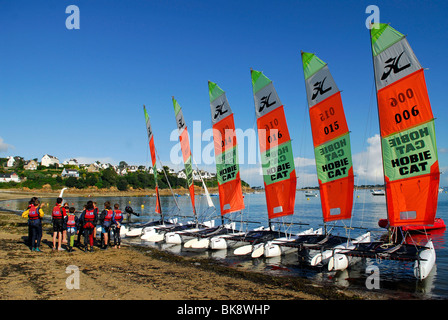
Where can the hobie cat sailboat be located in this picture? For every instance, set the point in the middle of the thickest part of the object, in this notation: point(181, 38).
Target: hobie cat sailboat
point(179, 236)
point(227, 173)
point(409, 152)
point(158, 209)
point(277, 162)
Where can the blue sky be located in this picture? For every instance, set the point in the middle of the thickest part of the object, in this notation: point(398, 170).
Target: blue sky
point(79, 93)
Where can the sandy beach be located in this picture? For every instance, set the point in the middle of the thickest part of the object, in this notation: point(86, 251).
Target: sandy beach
point(132, 273)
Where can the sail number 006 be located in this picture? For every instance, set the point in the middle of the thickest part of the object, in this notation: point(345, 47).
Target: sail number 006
point(402, 97)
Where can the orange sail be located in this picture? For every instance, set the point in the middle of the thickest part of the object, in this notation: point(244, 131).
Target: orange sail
point(410, 162)
point(152, 149)
point(186, 152)
point(226, 152)
point(331, 140)
point(277, 160)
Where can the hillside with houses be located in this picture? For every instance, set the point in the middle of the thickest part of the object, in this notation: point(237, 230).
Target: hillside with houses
point(16, 172)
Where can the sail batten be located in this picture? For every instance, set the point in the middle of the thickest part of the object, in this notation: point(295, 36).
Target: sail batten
point(410, 162)
point(277, 159)
point(331, 139)
point(226, 152)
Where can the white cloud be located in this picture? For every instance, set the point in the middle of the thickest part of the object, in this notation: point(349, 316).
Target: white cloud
point(4, 146)
point(304, 162)
point(368, 165)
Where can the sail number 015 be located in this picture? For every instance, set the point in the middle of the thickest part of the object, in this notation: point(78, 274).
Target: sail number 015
point(402, 97)
point(326, 115)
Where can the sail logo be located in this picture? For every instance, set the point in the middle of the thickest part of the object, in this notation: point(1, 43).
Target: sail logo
point(180, 123)
point(393, 65)
point(264, 102)
point(219, 111)
point(319, 88)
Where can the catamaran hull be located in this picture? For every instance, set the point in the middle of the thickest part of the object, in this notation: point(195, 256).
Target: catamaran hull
point(274, 249)
point(425, 263)
point(322, 257)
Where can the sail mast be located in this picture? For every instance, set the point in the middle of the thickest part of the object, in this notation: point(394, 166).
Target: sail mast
point(277, 159)
point(226, 152)
point(152, 148)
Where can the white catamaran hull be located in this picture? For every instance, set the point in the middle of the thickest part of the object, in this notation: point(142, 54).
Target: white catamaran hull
point(179, 237)
point(204, 243)
point(422, 266)
point(425, 263)
point(322, 257)
point(274, 249)
point(223, 242)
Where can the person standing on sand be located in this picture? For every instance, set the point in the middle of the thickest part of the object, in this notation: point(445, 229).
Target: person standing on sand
point(80, 230)
point(65, 210)
point(106, 221)
point(71, 223)
point(116, 220)
point(94, 229)
point(57, 217)
point(34, 213)
point(88, 220)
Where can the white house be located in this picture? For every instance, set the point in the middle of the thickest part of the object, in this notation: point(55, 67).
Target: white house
point(71, 162)
point(7, 177)
point(48, 160)
point(181, 175)
point(70, 173)
point(10, 162)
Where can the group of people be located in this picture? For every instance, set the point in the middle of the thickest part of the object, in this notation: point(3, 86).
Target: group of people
point(66, 225)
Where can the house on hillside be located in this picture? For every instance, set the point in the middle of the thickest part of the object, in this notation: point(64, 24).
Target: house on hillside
point(10, 162)
point(71, 162)
point(181, 175)
point(8, 177)
point(30, 165)
point(70, 173)
point(93, 168)
point(48, 160)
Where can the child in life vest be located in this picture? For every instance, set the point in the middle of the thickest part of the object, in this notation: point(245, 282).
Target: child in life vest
point(116, 220)
point(34, 213)
point(88, 220)
point(71, 223)
point(106, 222)
point(57, 217)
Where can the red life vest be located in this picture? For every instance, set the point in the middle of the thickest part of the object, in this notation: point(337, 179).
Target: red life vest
point(118, 215)
point(109, 215)
point(89, 217)
point(57, 212)
point(33, 213)
point(71, 223)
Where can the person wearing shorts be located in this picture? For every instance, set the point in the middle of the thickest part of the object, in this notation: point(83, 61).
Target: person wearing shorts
point(57, 216)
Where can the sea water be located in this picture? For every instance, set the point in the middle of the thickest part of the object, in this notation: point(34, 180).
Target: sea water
point(395, 277)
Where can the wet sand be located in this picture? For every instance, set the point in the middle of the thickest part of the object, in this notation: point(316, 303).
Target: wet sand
point(132, 273)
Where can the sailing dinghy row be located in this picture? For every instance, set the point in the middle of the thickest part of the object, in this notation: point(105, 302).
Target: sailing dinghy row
point(411, 172)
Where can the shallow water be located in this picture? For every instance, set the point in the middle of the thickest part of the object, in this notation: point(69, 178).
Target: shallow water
point(395, 277)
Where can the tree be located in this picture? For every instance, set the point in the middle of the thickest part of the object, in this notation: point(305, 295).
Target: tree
point(109, 176)
point(122, 165)
point(122, 184)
